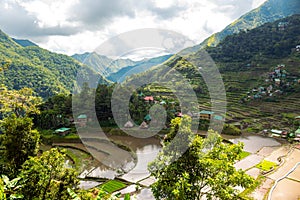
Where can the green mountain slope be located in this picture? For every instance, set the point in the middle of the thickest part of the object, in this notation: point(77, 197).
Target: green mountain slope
point(46, 72)
point(24, 43)
point(245, 61)
point(270, 11)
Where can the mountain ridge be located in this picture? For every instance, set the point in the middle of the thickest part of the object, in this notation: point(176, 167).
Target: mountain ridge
point(269, 11)
point(48, 73)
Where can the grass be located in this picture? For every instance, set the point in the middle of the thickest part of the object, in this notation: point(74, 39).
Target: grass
point(244, 154)
point(245, 194)
point(266, 165)
point(112, 186)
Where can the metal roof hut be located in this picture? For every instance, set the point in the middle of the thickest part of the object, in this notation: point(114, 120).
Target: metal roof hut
point(144, 125)
point(147, 118)
point(62, 131)
point(129, 124)
point(82, 120)
point(205, 114)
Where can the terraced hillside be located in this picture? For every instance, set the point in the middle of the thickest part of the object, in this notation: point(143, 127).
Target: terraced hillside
point(245, 61)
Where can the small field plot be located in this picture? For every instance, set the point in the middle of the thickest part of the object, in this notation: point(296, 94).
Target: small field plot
point(266, 165)
point(244, 154)
point(112, 186)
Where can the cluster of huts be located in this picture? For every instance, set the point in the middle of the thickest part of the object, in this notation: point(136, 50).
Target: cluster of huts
point(295, 135)
point(81, 121)
point(275, 84)
point(203, 114)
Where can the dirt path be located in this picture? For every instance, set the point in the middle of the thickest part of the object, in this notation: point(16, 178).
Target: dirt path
point(289, 187)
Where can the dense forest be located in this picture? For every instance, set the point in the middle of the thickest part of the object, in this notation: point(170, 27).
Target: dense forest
point(45, 72)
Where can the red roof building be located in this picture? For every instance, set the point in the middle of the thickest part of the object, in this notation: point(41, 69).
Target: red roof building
point(148, 98)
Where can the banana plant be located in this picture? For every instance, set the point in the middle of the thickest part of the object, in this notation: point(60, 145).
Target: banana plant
point(9, 188)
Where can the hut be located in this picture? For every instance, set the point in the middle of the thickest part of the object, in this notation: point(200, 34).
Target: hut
point(277, 81)
point(141, 94)
point(144, 125)
point(218, 118)
point(149, 98)
point(205, 114)
point(147, 117)
point(129, 124)
point(82, 120)
point(162, 102)
point(276, 133)
point(62, 131)
point(284, 134)
point(179, 114)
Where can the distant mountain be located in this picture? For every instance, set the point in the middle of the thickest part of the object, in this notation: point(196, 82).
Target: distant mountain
point(142, 66)
point(46, 72)
point(103, 64)
point(24, 43)
point(270, 11)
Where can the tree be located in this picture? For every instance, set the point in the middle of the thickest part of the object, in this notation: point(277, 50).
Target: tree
point(206, 169)
point(19, 142)
point(47, 177)
point(19, 102)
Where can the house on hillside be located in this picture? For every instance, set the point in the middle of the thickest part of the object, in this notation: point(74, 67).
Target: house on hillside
point(205, 114)
point(298, 48)
point(163, 102)
point(297, 135)
point(277, 81)
point(149, 98)
point(141, 94)
point(179, 114)
point(218, 119)
point(62, 131)
point(276, 133)
point(147, 117)
point(129, 124)
point(81, 120)
point(282, 26)
point(144, 125)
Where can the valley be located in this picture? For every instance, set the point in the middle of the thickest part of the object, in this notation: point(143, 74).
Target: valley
point(219, 120)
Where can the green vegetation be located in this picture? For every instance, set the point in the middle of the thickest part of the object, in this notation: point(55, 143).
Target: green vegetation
point(266, 165)
point(46, 177)
point(244, 154)
point(112, 186)
point(45, 72)
point(196, 170)
point(244, 61)
point(230, 129)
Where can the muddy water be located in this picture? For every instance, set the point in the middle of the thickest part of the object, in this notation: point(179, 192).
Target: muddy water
point(253, 143)
point(115, 160)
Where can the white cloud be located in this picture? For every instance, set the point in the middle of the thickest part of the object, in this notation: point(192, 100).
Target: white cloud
point(77, 26)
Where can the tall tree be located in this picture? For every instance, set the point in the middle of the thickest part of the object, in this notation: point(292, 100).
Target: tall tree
point(206, 169)
point(47, 177)
point(19, 141)
point(19, 102)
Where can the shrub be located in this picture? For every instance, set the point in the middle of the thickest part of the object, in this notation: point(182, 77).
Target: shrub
point(230, 129)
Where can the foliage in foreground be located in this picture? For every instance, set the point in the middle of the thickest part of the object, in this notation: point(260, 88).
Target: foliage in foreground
point(47, 177)
point(206, 169)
